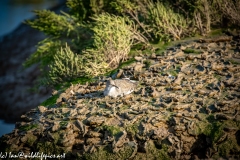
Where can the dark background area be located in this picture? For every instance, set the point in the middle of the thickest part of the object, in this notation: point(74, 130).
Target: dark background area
point(17, 42)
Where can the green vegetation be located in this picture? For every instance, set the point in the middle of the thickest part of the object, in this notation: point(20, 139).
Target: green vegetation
point(106, 154)
point(28, 127)
point(147, 63)
point(31, 139)
point(153, 153)
point(49, 147)
point(132, 128)
point(167, 24)
point(189, 50)
point(126, 152)
point(113, 38)
point(96, 37)
point(50, 101)
point(63, 123)
point(113, 130)
point(122, 65)
point(65, 66)
point(214, 130)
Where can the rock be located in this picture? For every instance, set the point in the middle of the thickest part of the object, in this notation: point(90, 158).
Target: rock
point(93, 141)
point(42, 109)
point(118, 142)
point(93, 134)
point(55, 126)
point(138, 58)
point(95, 121)
point(138, 67)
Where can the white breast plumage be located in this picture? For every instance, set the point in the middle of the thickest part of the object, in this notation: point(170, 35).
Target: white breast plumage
point(119, 87)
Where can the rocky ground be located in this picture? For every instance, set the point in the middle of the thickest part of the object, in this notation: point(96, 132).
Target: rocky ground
point(186, 106)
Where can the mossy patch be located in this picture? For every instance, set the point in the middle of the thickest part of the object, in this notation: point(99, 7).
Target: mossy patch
point(162, 46)
point(152, 153)
point(173, 73)
point(126, 152)
point(191, 51)
point(48, 147)
point(216, 32)
point(147, 63)
point(63, 105)
point(50, 101)
point(132, 128)
point(63, 123)
point(28, 127)
point(214, 130)
point(31, 139)
point(105, 153)
point(113, 130)
point(217, 76)
point(228, 147)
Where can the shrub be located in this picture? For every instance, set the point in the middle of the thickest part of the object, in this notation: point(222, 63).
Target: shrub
point(155, 20)
point(99, 46)
point(230, 10)
point(133, 9)
point(113, 38)
point(60, 29)
point(166, 23)
point(202, 16)
point(84, 9)
point(65, 66)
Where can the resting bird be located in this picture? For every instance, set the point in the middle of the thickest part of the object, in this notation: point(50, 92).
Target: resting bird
point(119, 87)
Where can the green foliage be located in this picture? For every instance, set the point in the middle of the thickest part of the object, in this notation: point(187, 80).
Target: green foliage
point(63, 123)
point(99, 39)
point(147, 63)
point(49, 147)
point(190, 50)
point(166, 24)
point(99, 46)
point(28, 127)
point(153, 153)
point(155, 19)
point(61, 30)
point(44, 54)
point(113, 130)
point(229, 10)
point(50, 23)
point(113, 38)
point(65, 66)
point(50, 101)
point(136, 10)
point(132, 128)
point(83, 9)
point(106, 153)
